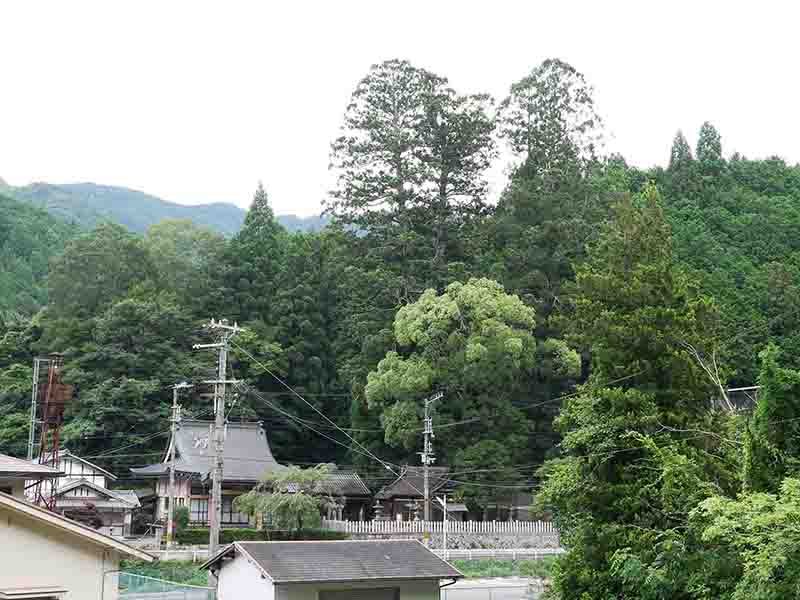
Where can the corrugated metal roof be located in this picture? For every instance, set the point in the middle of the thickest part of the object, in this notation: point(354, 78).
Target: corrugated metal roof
point(304, 562)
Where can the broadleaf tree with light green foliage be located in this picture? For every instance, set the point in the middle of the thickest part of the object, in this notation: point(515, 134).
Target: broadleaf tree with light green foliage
point(476, 343)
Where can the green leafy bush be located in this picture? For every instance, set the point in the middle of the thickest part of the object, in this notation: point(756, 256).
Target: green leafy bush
point(191, 537)
point(492, 567)
point(178, 571)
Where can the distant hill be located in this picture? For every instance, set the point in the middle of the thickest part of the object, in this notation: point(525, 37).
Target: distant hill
point(86, 204)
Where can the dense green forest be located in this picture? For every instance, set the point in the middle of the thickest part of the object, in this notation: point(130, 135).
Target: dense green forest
point(580, 328)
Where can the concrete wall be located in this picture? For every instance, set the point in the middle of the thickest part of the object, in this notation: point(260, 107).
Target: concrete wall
point(239, 579)
point(409, 590)
point(33, 553)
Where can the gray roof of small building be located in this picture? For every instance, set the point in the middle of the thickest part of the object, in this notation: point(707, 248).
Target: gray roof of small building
point(412, 481)
point(307, 562)
point(247, 455)
point(18, 468)
point(123, 497)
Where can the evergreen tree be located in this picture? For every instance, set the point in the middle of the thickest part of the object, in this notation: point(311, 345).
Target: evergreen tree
point(255, 260)
point(549, 121)
point(625, 468)
point(709, 156)
point(410, 165)
point(772, 445)
point(680, 155)
point(709, 145)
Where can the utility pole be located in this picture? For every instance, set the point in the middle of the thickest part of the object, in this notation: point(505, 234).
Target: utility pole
point(224, 333)
point(428, 458)
point(174, 423)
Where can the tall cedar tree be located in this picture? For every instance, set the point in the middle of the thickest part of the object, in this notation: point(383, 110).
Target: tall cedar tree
point(552, 205)
point(410, 165)
point(772, 451)
point(256, 258)
point(633, 309)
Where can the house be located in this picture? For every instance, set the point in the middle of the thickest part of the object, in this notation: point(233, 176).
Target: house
point(402, 500)
point(341, 570)
point(114, 507)
point(85, 484)
point(46, 556)
point(247, 458)
point(16, 474)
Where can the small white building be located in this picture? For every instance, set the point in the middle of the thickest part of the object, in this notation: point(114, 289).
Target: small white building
point(341, 570)
point(45, 556)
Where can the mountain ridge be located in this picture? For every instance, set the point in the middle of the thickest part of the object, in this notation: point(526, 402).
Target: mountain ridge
point(87, 204)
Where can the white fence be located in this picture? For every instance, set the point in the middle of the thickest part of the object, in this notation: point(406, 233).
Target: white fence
point(501, 553)
point(453, 527)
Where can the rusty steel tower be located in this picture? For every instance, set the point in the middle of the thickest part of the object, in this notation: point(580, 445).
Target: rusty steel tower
point(49, 399)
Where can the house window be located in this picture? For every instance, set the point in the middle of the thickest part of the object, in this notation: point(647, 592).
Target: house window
point(198, 510)
point(230, 514)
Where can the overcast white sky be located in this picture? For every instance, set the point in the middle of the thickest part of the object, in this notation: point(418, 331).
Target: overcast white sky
point(196, 101)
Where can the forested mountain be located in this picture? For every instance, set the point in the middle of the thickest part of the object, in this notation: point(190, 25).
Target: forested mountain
point(580, 329)
point(87, 204)
point(29, 237)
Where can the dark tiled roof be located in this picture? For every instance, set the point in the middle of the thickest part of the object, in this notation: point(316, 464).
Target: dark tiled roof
point(247, 453)
point(412, 481)
point(343, 483)
point(18, 468)
point(297, 562)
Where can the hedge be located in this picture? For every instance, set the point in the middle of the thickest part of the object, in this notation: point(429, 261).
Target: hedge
point(199, 537)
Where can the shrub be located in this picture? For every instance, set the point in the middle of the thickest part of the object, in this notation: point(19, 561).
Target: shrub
point(181, 518)
point(197, 537)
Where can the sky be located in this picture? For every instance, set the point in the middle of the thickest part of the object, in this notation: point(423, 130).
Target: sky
point(197, 101)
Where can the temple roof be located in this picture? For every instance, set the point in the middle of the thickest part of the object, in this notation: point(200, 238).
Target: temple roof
point(411, 482)
point(247, 455)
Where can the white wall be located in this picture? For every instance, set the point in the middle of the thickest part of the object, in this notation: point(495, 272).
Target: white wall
point(425, 589)
point(75, 469)
point(32, 553)
point(239, 579)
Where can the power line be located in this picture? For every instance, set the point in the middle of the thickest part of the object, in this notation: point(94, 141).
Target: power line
point(323, 415)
